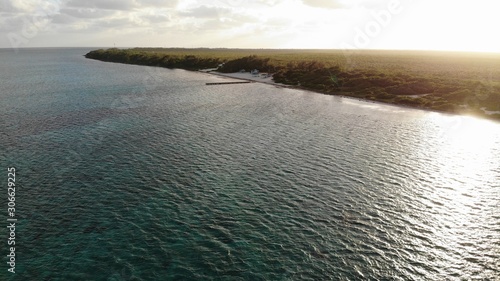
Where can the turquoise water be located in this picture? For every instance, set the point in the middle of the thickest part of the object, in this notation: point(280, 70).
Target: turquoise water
point(137, 173)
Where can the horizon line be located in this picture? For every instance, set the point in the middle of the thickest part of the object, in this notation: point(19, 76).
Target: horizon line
point(244, 48)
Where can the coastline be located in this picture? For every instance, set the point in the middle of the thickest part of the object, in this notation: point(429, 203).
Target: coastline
point(246, 76)
point(395, 85)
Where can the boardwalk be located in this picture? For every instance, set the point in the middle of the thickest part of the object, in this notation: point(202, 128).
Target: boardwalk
point(224, 83)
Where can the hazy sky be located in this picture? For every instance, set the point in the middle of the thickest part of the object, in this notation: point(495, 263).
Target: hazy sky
point(367, 24)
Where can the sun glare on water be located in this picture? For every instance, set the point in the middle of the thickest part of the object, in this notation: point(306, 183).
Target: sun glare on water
point(473, 137)
point(462, 150)
point(464, 159)
point(470, 138)
point(462, 179)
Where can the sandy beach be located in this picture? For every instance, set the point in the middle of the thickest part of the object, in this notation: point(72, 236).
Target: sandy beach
point(247, 76)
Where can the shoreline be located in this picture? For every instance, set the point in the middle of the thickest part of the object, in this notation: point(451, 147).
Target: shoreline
point(388, 86)
point(269, 81)
point(238, 76)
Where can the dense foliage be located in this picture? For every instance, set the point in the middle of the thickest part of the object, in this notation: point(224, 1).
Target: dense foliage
point(186, 61)
point(451, 82)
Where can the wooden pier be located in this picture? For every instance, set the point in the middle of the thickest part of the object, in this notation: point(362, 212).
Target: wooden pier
point(226, 83)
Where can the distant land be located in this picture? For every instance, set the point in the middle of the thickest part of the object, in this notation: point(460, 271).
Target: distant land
point(453, 82)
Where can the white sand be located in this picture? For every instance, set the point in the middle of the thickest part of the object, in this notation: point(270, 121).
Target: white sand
point(269, 80)
point(249, 77)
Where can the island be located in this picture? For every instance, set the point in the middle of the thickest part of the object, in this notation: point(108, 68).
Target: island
point(452, 82)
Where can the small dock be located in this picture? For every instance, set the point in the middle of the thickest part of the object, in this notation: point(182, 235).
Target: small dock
point(226, 83)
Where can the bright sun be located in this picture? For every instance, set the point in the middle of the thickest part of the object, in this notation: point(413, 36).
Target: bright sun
point(447, 25)
point(416, 25)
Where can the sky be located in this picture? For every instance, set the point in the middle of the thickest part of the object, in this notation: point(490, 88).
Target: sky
point(304, 24)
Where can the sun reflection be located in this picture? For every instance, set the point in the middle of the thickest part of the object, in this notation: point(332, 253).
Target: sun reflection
point(465, 151)
point(469, 134)
point(462, 185)
point(470, 138)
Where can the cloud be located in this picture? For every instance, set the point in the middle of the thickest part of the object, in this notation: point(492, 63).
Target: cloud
point(121, 5)
point(270, 2)
point(63, 19)
point(328, 4)
point(10, 23)
point(103, 4)
point(28, 7)
point(156, 18)
point(86, 13)
point(203, 19)
point(115, 23)
point(205, 12)
point(159, 3)
point(7, 7)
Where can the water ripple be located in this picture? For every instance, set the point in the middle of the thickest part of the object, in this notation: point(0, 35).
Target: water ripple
point(246, 182)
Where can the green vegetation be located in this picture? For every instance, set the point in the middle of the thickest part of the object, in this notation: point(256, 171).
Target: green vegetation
point(452, 82)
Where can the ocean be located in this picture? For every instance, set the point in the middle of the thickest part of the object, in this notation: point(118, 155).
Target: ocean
point(127, 172)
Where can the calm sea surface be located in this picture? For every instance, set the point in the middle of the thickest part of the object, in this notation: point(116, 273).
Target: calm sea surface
point(138, 173)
